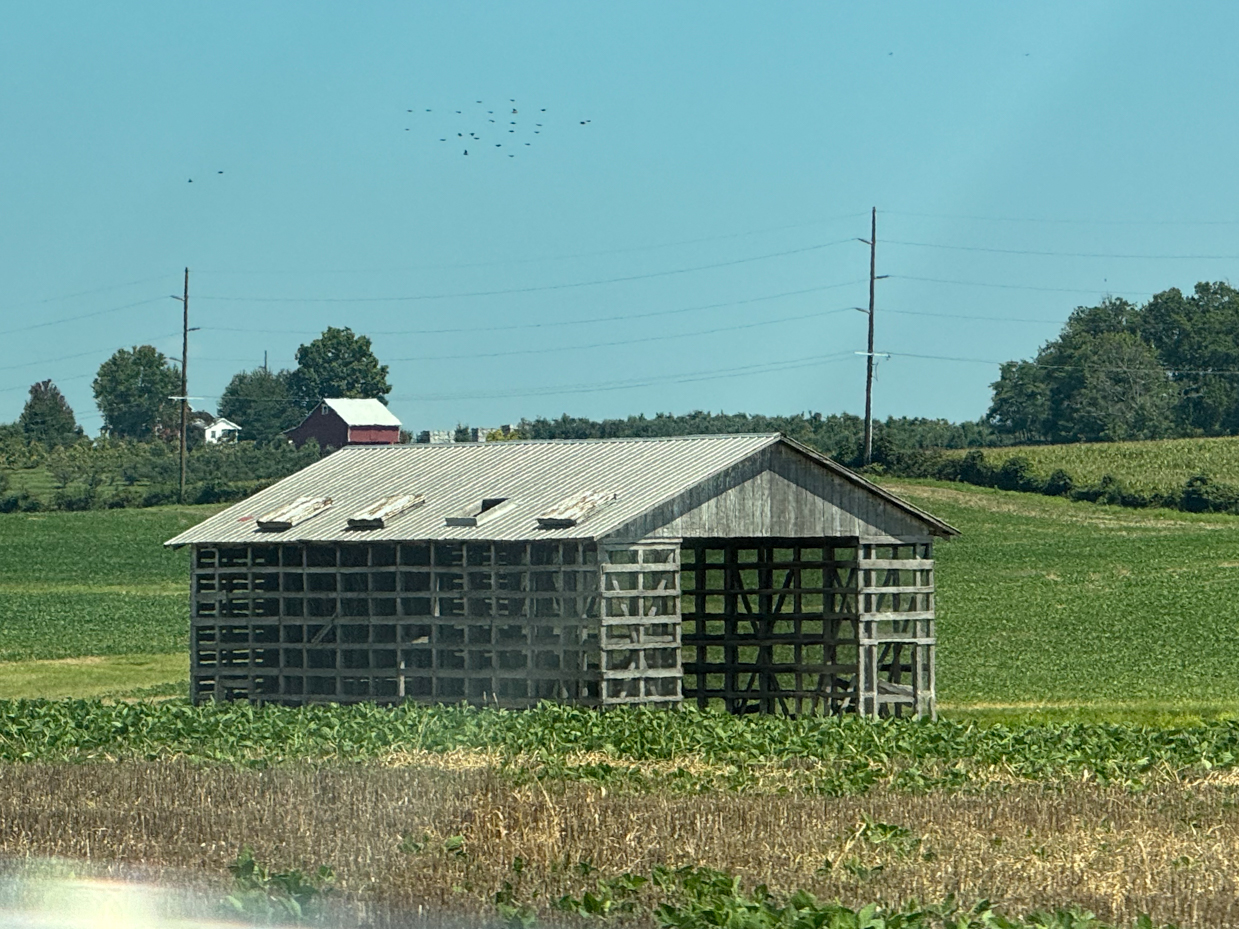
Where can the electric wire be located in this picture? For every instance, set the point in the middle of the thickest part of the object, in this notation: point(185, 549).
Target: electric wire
point(85, 293)
point(535, 289)
point(1031, 287)
point(546, 258)
point(1068, 222)
point(1049, 254)
point(618, 342)
point(73, 319)
point(552, 324)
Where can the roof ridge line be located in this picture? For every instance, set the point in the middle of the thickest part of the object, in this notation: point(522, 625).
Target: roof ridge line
point(635, 438)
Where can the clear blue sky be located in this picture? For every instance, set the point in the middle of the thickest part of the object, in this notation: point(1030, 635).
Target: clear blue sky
point(731, 154)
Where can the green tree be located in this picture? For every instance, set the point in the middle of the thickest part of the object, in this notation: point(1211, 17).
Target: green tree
point(338, 364)
point(1196, 336)
point(1125, 393)
point(1021, 404)
point(260, 402)
point(132, 390)
point(48, 418)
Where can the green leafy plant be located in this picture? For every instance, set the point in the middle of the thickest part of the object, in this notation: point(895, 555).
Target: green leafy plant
point(276, 896)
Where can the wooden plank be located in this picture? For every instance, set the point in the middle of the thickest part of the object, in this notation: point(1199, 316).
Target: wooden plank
point(292, 514)
point(574, 510)
point(377, 515)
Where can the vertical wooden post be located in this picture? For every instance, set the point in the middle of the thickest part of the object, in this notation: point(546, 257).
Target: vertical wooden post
point(184, 380)
point(873, 258)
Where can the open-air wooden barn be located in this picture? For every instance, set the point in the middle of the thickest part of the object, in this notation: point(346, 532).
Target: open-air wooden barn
point(742, 571)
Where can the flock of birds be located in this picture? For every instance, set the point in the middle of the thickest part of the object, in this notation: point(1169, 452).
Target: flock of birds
point(485, 127)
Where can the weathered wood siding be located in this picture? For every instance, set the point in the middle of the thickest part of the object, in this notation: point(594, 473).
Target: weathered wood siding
point(777, 493)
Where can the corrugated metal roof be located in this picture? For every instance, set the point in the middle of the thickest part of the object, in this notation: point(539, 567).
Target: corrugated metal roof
point(534, 476)
point(362, 412)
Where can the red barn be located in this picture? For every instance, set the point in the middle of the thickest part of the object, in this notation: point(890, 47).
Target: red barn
point(338, 422)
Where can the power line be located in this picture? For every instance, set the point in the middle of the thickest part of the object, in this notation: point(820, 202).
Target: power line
point(617, 342)
point(73, 319)
point(79, 354)
point(94, 351)
point(994, 319)
point(691, 377)
point(512, 261)
point(571, 322)
point(1053, 290)
point(1074, 367)
point(59, 380)
point(1071, 222)
point(1048, 254)
point(536, 289)
point(599, 387)
point(85, 293)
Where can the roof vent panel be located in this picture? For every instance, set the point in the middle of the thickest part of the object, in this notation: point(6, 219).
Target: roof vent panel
point(381, 512)
point(573, 510)
point(291, 514)
point(480, 512)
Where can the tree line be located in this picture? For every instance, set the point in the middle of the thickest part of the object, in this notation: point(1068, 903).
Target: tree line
point(839, 435)
point(1120, 372)
point(133, 462)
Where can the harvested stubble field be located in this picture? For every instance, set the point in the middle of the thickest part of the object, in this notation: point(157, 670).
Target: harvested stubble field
point(443, 806)
point(448, 834)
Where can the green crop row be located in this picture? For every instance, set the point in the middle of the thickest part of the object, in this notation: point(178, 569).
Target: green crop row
point(1157, 473)
point(839, 755)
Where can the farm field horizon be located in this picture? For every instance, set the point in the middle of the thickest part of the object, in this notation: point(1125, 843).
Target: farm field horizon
point(1154, 466)
point(1048, 608)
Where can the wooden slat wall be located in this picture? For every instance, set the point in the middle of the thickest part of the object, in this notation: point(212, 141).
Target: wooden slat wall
point(777, 494)
point(640, 623)
point(498, 623)
point(896, 626)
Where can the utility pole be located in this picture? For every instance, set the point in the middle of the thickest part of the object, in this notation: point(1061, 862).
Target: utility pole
point(874, 277)
point(185, 375)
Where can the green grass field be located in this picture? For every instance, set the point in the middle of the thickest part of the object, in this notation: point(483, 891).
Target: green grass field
point(93, 584)
point(35, 481)
point(1047, 608)
point(1147, 467)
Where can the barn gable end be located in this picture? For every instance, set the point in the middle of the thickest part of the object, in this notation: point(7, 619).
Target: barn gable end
point(782, 493)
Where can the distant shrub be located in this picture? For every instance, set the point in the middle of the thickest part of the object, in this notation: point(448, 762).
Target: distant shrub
point(1059, 484)
point(159, 495)
point(1016, 473)
point(1203, 495)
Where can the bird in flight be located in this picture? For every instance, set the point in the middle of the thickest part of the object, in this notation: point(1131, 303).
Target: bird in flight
point(491, 117)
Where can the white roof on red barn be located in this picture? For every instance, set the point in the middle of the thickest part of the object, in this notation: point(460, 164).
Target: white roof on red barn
point(362, 412)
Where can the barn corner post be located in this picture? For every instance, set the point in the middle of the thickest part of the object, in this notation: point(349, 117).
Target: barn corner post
point(640, 624)
point(896, 628)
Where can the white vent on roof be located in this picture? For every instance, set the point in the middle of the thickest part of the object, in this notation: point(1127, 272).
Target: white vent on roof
point(377, 515)
point(290, 514)
point(484, 509)
point(568, 513)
